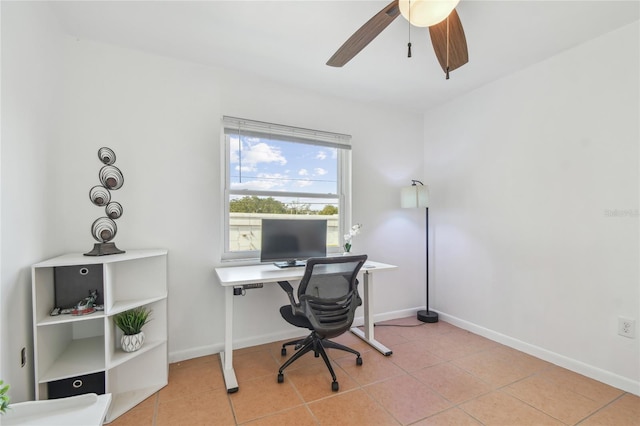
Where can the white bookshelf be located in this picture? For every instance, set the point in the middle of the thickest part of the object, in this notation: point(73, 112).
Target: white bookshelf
point(68, 346)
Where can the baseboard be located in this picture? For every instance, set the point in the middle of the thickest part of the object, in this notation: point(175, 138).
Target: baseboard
point(576, 366)
point(177, 356)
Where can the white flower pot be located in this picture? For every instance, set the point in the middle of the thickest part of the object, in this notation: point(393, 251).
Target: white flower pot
point(133, 342)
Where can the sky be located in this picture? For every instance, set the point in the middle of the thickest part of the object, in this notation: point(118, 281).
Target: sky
point(272, 165)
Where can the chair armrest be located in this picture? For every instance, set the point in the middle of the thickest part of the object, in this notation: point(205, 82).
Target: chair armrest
point(286, 286)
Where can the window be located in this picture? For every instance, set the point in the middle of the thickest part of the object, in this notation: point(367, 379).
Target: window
point(274, 171)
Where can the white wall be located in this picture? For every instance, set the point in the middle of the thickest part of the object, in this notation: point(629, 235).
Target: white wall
point(31, 56)
point(526, 175)
point(162, 118)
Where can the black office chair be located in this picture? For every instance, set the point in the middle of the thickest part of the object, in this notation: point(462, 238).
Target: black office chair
point(327, 301)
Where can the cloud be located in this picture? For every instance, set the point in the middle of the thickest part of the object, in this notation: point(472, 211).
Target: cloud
point(303, 172)
point(254, 153)
point(319, 171)
point(321, 155)
point(303, 183)
point(264, 182)
point(262, 185)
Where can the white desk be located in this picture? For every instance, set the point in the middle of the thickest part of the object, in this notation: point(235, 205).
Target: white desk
point(235, 276)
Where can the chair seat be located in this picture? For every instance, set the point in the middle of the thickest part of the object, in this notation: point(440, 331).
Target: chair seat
point(297, 320)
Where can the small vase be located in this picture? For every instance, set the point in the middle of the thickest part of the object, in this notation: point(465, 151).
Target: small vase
point(131, 343)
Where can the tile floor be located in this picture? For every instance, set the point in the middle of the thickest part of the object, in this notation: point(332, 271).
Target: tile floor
point(438, 375)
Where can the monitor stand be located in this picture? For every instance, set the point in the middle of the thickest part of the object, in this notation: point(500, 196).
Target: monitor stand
point(290, 263)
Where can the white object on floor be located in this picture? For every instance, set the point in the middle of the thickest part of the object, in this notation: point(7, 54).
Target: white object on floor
point(82, 410)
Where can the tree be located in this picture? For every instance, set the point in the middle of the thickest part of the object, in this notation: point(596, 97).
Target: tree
point(328, 210)
point(299, 208)
point(254, 204)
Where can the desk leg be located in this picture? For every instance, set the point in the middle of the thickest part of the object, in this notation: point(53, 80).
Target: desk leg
point(367, 336)
point(226, 356)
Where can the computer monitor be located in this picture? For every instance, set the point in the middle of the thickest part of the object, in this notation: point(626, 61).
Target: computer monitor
point(289, 242)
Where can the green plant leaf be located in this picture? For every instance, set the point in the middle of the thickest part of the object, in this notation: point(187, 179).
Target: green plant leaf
point(132, 321)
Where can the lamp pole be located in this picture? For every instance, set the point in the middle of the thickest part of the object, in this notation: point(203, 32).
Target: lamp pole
point(427, 315)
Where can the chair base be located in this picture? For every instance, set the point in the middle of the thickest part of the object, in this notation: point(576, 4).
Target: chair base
point(315, 343)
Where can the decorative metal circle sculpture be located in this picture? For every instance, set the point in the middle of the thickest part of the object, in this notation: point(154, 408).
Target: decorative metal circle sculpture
point(106, 155)
point(114, 210)
point(99, 195)
point(111, 177)
point(104, 229)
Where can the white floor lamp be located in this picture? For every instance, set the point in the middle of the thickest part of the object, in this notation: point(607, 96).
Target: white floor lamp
point(417, 196)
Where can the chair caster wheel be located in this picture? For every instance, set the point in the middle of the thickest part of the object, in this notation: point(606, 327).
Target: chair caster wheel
point(335, 386)
point(283, 351)
point(280, 377)
point(358, 361)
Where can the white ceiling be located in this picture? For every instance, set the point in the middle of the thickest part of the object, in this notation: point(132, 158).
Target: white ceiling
point(290, 41)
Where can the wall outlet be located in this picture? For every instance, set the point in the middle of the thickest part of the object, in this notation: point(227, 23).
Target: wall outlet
point(627, 327)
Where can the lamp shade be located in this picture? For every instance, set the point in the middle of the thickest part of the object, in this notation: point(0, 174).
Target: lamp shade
point(414, 196)
point(425, 13)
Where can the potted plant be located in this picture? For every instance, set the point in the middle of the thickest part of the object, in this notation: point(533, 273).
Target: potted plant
point(355, 230)
point(4, 398)
point(131, 322)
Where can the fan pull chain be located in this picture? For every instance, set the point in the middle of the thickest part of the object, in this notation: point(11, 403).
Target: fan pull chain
point(447, 73)
point(409, 44)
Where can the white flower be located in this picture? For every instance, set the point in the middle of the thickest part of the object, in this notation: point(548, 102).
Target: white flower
point(355, 230)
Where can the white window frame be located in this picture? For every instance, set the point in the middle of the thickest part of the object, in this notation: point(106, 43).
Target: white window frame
point(234, 125)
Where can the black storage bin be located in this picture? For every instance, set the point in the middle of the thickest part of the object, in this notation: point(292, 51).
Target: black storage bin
point(74, 283)
point(89, 383)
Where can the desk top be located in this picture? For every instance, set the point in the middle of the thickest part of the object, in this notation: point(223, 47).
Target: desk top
point(265, 273)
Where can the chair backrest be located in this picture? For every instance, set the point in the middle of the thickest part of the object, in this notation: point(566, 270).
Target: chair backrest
point(328, 293)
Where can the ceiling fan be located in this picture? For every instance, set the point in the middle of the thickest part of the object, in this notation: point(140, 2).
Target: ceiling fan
point(445, 30)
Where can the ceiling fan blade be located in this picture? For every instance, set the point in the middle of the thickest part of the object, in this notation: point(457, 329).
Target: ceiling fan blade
point(458, 53)
point(361, 38)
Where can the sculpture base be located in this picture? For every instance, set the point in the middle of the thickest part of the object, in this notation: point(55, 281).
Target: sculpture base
point(428, 316)
point(103, 249)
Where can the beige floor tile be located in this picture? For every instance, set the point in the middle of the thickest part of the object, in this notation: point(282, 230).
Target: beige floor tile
point(438, 375)
point(410, 356)
point(407, 399)
point(200, 362)
point(451, 417)
point(625, 411)
point(559, 402)
point(453, 383)
point(349, 409)
point(206, 408)
point(314, 382)
point(191, 380)
point(388, 336)
point(138, 416)
point(298, 416)
point(307, 360)
point(263, 396)
point(501, 366)
point(458, 344)
point(249, 365)
point(422, 331)
point(375, 367)
point(498, 408)
point(590, 388)
point(351, 340)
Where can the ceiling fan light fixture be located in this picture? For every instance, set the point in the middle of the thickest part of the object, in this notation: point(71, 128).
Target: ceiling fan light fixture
point(425, 13)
